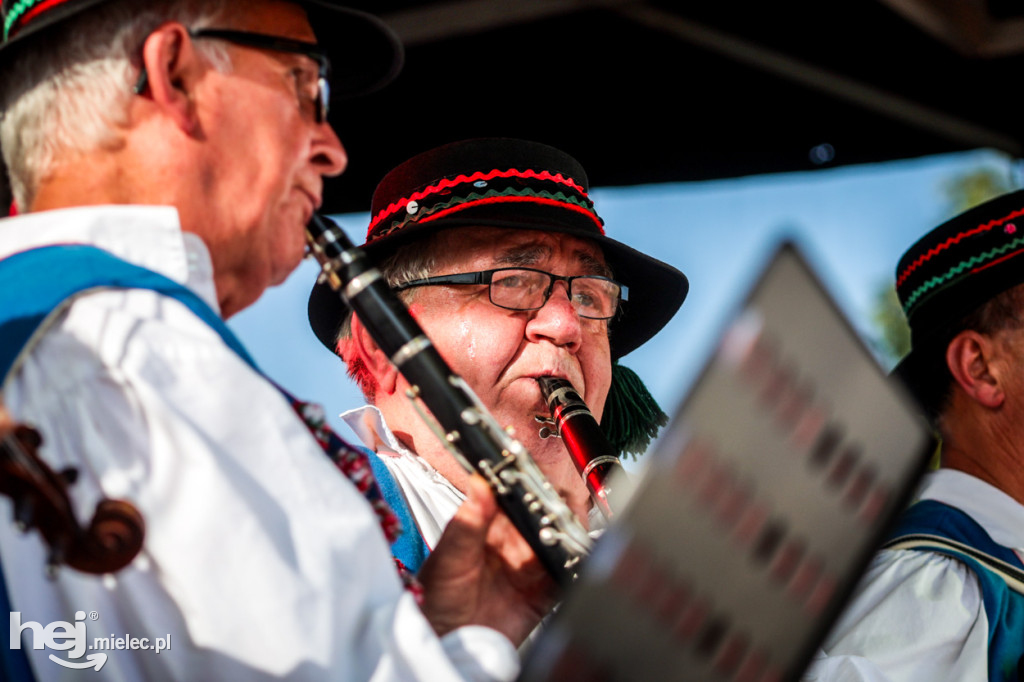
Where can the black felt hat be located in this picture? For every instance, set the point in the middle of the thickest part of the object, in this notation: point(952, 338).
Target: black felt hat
point(498, 182)
point(365, 55)
point(950, 272)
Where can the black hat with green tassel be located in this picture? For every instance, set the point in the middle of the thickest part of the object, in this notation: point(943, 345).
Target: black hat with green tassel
point(500, 182)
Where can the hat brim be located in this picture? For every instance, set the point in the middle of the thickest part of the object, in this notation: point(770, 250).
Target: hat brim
point(656, 289)
point(365, 54)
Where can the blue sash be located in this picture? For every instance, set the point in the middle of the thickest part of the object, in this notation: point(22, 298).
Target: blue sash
point(34, 283)
point(410, 547)
point(1004, 607)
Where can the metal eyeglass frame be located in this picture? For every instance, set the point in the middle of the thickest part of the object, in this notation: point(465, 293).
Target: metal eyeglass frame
point(264, 41)
point(486, 276)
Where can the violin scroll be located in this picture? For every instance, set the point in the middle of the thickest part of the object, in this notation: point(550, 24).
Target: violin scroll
point(114, 535)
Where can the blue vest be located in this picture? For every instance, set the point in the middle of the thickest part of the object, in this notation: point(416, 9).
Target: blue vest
point(410, 547)
point(937, 527)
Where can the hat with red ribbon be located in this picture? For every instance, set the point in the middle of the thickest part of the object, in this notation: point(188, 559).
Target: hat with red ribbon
point(522, 185)
point(516, 184)
point(947, 274)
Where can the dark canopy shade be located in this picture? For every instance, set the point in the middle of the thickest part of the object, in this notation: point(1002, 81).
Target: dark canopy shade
point(662, 90)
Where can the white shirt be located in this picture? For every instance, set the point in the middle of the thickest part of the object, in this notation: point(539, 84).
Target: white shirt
point(919, 615)
point(261, 560)
point(432, 499)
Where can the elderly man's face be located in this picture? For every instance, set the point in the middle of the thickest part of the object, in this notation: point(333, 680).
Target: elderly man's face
point(268, 154)
point(499, 351)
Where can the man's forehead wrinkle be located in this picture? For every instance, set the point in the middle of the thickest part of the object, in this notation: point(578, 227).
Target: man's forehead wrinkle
point(523, 254)
point(594, 266)
point(534, 253)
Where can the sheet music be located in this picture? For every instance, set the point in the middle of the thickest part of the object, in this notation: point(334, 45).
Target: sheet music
point(757, 511)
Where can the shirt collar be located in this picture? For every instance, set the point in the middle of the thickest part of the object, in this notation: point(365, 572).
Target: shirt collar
point(1000, 515)
point(367, 422)
point(147, 236)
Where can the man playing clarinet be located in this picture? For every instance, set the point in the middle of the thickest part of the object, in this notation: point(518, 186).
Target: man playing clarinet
point(501, 256)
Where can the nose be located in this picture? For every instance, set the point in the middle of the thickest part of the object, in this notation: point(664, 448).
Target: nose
point(556, 321)
point(327, 154)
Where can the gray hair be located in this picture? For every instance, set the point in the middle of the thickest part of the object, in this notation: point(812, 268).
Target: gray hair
point(70, 93)
point(410, 262)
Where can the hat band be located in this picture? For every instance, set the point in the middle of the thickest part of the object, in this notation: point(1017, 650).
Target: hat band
point(509, 195)
point(23, 11)
point(955, 239)
point(475, 179)
point(988, 258)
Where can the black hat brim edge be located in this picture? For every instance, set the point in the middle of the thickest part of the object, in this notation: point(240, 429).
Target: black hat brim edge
point(365, 54)
point(656, 289)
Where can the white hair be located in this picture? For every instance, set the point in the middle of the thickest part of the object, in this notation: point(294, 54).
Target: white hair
point(410, 262)
point(71, 93)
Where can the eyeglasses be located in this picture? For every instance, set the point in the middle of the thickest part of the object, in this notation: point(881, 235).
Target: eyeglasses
point(321, 104)
point(592, 296)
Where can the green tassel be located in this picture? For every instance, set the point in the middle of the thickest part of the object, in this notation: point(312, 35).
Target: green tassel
point(632, 416)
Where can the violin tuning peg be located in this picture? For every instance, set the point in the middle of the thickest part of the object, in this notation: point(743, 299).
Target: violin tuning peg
point(54, 561)
point(70, 475)
point(29, 436)
point(24, 513)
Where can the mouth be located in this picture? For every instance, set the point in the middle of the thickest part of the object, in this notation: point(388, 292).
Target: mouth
point(314, 203)
point(545, 390)
point(561, 376)
point(551, 374)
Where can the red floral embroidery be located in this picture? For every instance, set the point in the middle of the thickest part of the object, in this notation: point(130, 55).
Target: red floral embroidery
point(356, 466)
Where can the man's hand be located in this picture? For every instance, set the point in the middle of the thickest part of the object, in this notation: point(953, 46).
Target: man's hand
point(483, 572)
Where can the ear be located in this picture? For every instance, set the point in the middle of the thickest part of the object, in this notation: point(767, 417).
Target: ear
point(970, 357)
point(374, 359)
point(173, 68)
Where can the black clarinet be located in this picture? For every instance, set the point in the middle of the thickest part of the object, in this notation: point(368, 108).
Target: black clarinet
point(467, 429)
point(590, 451)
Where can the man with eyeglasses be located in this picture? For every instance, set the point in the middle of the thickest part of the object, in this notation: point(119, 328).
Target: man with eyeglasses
point(165, 157)
point(499, 253)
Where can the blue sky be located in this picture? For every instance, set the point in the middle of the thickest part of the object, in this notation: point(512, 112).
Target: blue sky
point(852, 223)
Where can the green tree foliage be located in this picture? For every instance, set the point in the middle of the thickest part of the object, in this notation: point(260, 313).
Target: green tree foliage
point(969, 190)
point(893, 334)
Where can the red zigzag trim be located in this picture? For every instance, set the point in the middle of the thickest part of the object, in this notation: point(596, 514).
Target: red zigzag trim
point(920, 260)
point(501, 200)
point(461, 179)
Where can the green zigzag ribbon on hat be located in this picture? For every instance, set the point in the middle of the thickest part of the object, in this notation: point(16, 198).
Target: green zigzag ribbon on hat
point(15, 12)
point(958, 269)
point(490, 194)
